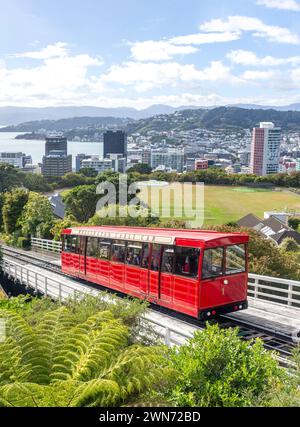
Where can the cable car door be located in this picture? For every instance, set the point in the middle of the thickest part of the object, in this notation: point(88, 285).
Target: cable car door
point(154, 272)
point(82, 254)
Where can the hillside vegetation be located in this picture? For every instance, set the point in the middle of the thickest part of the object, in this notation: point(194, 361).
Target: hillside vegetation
point(216, 118)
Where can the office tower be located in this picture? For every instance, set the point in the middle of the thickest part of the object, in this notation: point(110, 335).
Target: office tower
point(265, 149)
point(56, 161)
point(56, 141)
point(115, 143)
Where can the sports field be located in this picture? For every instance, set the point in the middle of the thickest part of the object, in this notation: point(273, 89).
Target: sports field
point(226, 203)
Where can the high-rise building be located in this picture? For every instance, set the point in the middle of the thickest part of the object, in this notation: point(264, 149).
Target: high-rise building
point(56, 141)
point(115, 143)
point(56, 161)
point(265, 149)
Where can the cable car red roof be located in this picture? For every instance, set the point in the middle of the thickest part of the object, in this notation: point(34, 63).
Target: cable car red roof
point(167, 236)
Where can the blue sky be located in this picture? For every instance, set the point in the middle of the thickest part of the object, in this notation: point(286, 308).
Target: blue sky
point(137, 53)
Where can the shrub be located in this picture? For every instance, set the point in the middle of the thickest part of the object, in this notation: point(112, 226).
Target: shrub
point(217, 368)
point(23, 243)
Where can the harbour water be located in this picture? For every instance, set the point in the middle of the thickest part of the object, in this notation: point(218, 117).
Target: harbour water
point(36, 148)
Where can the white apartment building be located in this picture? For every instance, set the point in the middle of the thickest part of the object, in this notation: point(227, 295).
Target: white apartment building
point(97, 163)
point(18, 160)
point(171, 158)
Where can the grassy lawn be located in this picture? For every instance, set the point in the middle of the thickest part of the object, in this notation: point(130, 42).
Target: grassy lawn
point(225, 203)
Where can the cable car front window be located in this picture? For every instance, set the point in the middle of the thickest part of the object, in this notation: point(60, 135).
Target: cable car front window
point(212, 265)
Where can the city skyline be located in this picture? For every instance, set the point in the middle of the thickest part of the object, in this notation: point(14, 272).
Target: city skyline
point(169, 52)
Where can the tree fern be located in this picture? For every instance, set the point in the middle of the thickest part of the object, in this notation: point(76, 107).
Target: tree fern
point(29, 345)
point(58, 362)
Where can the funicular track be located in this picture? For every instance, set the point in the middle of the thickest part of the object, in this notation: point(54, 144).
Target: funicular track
point(272, 340)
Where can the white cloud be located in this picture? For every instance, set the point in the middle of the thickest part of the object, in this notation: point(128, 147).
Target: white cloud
point(164, 50)
point(56, 50)
point(214, 31)
point(206, 38)
point(59, 78)
point(152, 50)
point(278, 81)
point(239, 24)
point(259, 75)
point(146, 76)
point(280, 4)
point(248, 58)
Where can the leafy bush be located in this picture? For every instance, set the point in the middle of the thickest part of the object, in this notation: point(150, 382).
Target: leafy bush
point(23, 243)
point(289, 245)
point(285, 394)
point(217, 368)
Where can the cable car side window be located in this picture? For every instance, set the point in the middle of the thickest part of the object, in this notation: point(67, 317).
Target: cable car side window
point(145, 256)
point(186, 261)
point(235, 259)
point(212, 265)
point(67, 244)
point(155, 257)
point(134, 253)
point(104, 249)
point(92, 247)
point(118, 249)
point(74, 244)
point(167, 264)
point(81, 245)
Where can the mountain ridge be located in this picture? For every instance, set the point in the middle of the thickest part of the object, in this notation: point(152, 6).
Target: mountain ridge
point(213, 119)
point(14, 115)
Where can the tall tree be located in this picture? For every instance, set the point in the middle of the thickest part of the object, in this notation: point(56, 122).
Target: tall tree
point(81, 202)
point(36, 213)
point(13, 206)
point(8, 177)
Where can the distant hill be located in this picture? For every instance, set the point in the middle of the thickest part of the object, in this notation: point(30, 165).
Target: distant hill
point(216, 118)
point(16, 115)
point(291, 107)
point(67, 124)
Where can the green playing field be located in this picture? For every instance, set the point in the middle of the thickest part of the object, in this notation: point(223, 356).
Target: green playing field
point(225, 203)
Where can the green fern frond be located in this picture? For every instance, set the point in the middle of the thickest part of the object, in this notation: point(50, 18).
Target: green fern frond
point(29, 347)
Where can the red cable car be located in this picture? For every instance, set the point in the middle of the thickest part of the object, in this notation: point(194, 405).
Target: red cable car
point(199, 273)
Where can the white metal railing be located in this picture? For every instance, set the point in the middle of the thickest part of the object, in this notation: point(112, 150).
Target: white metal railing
point(46, 245)
point(54, 288)
point(274, 289)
